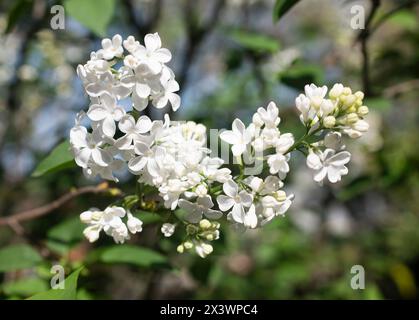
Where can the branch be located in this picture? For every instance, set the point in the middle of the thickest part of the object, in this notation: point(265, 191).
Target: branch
point(143, 27)
point(14, 220)
point(363, 39)
point(196, 34)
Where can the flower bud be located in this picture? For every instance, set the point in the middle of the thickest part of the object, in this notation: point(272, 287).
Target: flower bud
point(210, 237)
point(180, 248)
point(336, 91)
point(205, 224)
point(347, 91)
point(363, 110)
point(351, 118)
point(359, 95)
point(188, 245)
point(349, 100)
point(329, 121)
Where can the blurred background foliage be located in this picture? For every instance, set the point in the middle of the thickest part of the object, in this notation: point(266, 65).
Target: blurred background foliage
point(230, 57)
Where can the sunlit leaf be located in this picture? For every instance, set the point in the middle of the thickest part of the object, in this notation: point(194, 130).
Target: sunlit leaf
point(142, 257)
point(68, 293)
point(68, 231)
point(19, 256)
point(90, 14)
point(255, 42)
point(60, 158)
point(25, 287)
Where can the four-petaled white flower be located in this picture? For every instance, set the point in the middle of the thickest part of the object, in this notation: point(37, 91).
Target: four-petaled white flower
point(239, 137)
point(87, 147)
point(170, 86)
point(328, 163)
point(235, 199)
point(133, 130)
point(107, 112)
point(111, 48)
point(195, 210)
point(152, 54)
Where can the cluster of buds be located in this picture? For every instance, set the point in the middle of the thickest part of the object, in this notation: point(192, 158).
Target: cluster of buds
point(198, 236)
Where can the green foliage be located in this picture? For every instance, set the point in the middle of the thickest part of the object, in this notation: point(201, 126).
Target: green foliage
point(25, 287)
point(255, 42)
point(378, 103)
point(405, 19)
point(60, 158)
point(19, 256)
point(69, 230)
point(282, 7)
point(68, 293)
point(300, 74)
point(148, 217)
point(135, 255)
point(93, 16)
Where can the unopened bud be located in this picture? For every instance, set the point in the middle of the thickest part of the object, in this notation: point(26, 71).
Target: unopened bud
point(205, 224)
point(351, 118)
point(349, 100)
point(188, 245)
point(359, 95)
point(363, 110)
point(329, 121)
point(180, 248)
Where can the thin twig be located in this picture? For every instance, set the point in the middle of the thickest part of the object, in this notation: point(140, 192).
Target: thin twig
point(14, 220)
point(363, 37)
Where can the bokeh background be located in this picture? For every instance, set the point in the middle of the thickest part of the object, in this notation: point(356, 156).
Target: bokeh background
point(230, 57)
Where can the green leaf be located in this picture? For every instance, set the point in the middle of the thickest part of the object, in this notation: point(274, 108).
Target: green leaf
point(300, 74)
point(255, 42)
point(69, 230)
point(405, 19)
point(19, 256)
point(148, 217)
point(68, 293)
point(91, 14)
point(282, 7)
point(60, 158)
point(138, 256)
point(25, 287)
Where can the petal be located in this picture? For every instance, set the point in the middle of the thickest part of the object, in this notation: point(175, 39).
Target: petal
point(238, 127)
point(141, 148)
point(340, 159)
point(230, 188)
point(97, 112)
point(313, 161)
point(238, 213)
point(109, 127)
point(124, 142)
point(238, 149)
point(163, 55)
point(250, 218)
point(139, 103)
point(126, 124)
point(206, 202)
point(78, 136)
point(144, 124)
point(107, 100)
point(137, 164)
point(152, 41)
point(142, 90)
point(213, 214)
point(245, 198)
point(174, 101)
point(320, 175)
point(230, 137)
point(101, 157)
point(224, 202)
point(82, 157)
point(333, 174)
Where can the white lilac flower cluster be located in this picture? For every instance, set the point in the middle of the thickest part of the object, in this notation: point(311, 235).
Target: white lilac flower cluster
point(172, 159)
